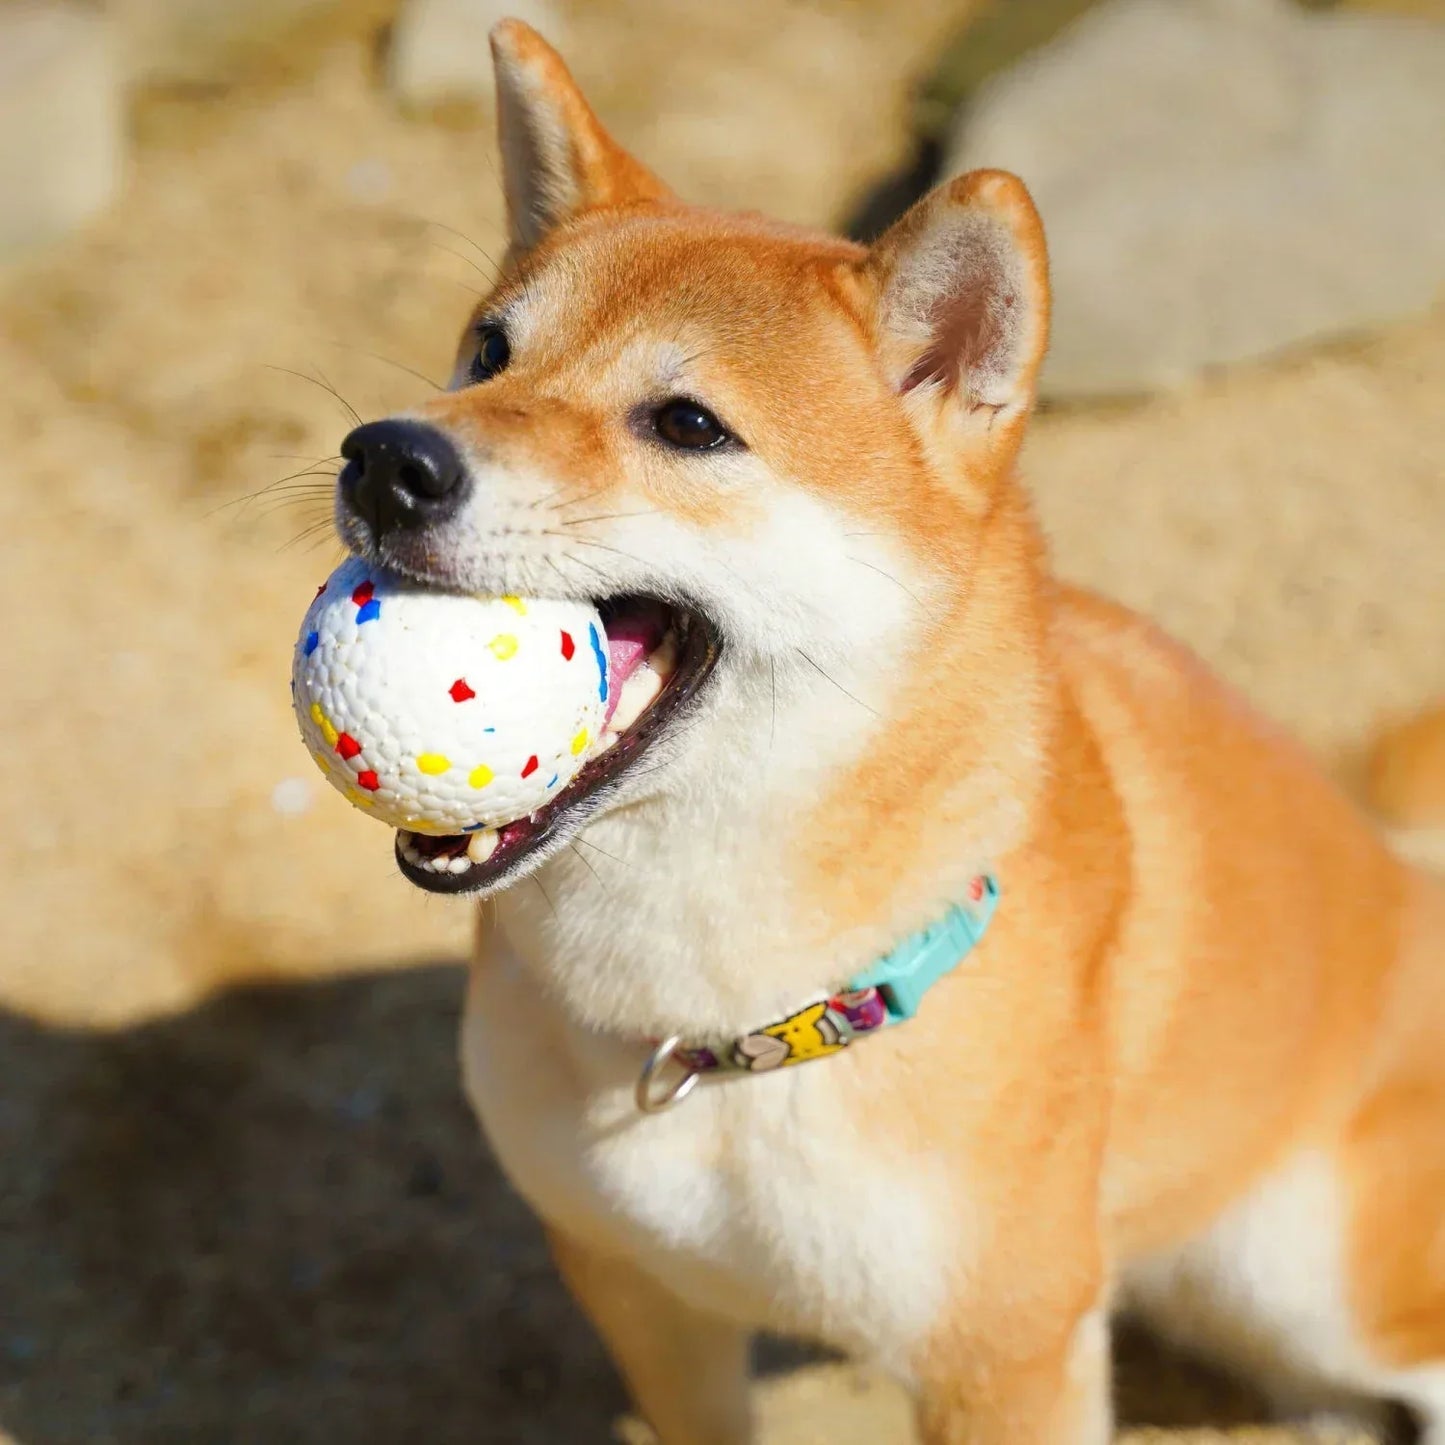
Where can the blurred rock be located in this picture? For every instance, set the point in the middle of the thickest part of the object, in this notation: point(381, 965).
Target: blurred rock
point(61, 121)
point(202, 42)
point(439, 52)
point(1222, 179)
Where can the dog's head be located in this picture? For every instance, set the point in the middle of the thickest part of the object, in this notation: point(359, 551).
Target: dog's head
point(768, 454)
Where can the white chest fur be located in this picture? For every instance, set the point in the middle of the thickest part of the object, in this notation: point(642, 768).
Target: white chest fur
point(758, 1198)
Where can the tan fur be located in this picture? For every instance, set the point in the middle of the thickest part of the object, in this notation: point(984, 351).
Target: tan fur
point(1206, 964)
point(1407, 771)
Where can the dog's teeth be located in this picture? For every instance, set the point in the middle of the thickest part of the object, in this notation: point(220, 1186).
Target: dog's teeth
point(481, 846)
point(638, 693)
point(459, 864)
point(663, 659)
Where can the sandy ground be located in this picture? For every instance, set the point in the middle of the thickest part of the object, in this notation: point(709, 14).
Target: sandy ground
point(237, 1213)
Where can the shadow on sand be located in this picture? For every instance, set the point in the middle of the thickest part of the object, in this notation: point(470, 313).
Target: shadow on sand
point(271, 1220)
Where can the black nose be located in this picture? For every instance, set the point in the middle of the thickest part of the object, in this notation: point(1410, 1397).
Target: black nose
point(401, 474)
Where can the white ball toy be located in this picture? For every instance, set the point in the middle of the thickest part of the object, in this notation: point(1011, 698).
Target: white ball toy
point(442, 713)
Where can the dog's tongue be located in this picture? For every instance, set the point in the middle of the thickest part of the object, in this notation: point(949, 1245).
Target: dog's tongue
point(631, 638)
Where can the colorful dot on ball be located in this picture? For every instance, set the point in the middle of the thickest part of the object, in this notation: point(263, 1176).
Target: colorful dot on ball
point(368, 780)
point(433, 764)
point(503, 646)
point(601, 659)
point(530, 766)
point(460, 691)
point(324, 723)
point(579, 743)
point(480, 776)
point(347, 745)
point(568, 646)
point(312, 638)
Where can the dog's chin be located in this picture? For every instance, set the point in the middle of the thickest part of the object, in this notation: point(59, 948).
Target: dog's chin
point(644, 724)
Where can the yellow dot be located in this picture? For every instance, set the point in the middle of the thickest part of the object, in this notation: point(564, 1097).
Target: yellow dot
point(503, 645)
point(324, 723)
point(517, 605)
point(480, 776)
point(578, 743)
point(361, 799)
point(433, 763)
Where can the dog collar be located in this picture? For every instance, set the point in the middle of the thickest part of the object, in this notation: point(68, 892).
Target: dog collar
point(888, 992)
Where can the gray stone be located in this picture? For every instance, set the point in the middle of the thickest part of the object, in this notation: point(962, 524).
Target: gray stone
point(62, 125)
point(439, 51)
point(1221, 180)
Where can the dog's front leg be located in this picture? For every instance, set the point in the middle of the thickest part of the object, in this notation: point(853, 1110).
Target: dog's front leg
point(687, 1371)
point(1006, 1389)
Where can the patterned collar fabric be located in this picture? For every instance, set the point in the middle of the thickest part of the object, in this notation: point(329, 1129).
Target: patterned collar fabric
point(890, 991)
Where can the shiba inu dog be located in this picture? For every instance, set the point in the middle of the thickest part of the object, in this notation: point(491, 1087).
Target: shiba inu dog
point(1098, 993)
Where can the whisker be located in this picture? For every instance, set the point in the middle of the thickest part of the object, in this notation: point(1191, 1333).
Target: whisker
point(773, 722)
point(577, 501)
point(578, 562)
point(582, 858)
point(543, 892)
point(465, 260)
point(286, 504)
point(835, 682)
point(607, 517)
point(273, 486)
point(890, 577)
point(302, 535)
point(545, 497)
point(481, 250)
point(593, 542)
point(325, 386)
point(603, 851)
point(388, 361)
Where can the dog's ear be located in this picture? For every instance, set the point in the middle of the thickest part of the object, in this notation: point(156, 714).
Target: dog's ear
point(962, 297)
point(557, 160)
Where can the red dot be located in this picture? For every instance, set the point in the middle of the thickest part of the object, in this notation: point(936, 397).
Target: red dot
point(347, 745)
point(975, 889)
point(460, 691)
point(531, 766)
point(568, 646)
point(368, 780)
point(362, 595)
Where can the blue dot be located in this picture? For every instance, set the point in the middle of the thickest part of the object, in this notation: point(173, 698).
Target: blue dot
point(368, 611)
point(601, 657)
point(312, 638)
point(553, 782)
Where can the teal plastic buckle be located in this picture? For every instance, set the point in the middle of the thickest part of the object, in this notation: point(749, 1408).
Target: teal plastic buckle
point(906, 974)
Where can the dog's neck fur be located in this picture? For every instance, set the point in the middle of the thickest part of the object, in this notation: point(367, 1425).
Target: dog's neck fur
point(634, 930)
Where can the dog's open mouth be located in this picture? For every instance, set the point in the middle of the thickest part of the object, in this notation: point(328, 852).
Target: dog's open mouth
point(660, 656)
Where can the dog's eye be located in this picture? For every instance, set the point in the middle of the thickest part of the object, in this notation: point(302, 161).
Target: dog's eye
point(494, 351)
point(685, 424)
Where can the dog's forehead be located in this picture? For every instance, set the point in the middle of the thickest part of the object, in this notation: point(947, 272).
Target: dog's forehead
point(609, 280)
